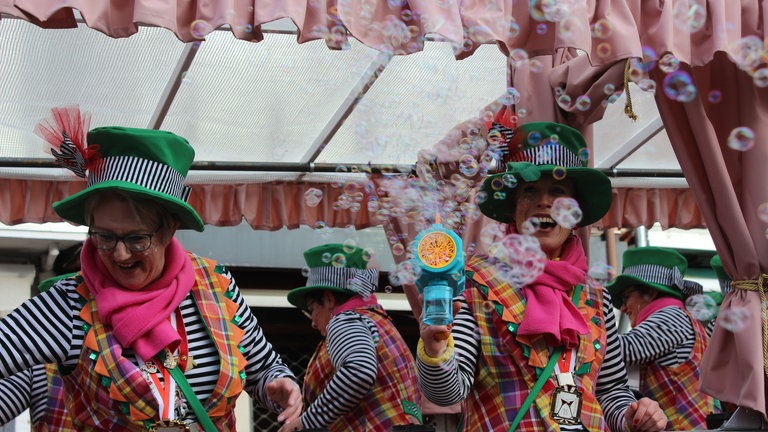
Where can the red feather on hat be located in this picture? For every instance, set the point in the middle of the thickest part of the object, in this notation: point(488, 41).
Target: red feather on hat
point(500, 132)
point(65, 132)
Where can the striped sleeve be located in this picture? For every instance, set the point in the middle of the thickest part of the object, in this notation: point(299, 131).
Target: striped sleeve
point(611, 389)
point(38, 403)
point(449, 383)
point(15, 395)
point(710, 327)
point(666, 337)
point(41, 330)
point(27, 389)
point(264, 363)
point(353, 355)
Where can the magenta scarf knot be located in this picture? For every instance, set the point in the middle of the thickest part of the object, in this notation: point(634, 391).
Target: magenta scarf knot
point(549, 311)
point(139, 319)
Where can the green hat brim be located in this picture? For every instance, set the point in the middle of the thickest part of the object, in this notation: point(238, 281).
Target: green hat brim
point(617, 287)
point(72, 208)
point(592, 190)
point(46, 284)
point(298, 296)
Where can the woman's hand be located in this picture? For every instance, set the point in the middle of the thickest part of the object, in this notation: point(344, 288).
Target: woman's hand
point(286, 393)
point(435, 337)
point(645, 415)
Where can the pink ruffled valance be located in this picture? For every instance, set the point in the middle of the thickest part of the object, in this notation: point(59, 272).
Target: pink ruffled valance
point(607, 30)
point(265, 206)
point(275, 205)
point(397, 27)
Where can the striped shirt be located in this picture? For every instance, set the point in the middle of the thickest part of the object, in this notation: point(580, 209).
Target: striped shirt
point(26, 389)
point(448, 384)
point(352, 351)
point(48, 329)
point(666, 338)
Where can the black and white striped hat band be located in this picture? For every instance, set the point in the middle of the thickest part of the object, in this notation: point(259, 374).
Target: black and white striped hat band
point(666, 276)
point(360, 281)
point(548, 153)
point(146, 173)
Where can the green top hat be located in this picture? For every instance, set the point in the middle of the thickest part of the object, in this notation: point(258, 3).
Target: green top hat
point(338, 268)
point(553, 149)
point(722, 276)
point(659, 268)
point(144, 162)
point(717, 266)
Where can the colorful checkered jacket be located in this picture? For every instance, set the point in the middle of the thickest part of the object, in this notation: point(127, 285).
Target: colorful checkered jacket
point(676, 388)
point(509, 363)
point(106, 391)
point(56, 417)
point(395, 397)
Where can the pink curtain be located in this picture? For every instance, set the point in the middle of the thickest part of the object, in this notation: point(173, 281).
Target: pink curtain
point(671, 208)
point(396, 27)
point(719, 45)
point(729, 186)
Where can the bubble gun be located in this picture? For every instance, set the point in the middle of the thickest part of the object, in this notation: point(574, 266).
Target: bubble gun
point(440, 254)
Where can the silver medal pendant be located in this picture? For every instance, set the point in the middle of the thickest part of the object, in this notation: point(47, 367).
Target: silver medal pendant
point(566, 405)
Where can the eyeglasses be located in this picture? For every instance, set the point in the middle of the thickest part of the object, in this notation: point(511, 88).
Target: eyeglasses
point(106, 241)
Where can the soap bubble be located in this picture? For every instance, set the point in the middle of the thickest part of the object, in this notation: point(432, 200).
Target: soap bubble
point(518, 259)
point(734, 319)
point(741, 139)
point(313, 196)
point(566, 212)
point(599, 274)
point(701, 306)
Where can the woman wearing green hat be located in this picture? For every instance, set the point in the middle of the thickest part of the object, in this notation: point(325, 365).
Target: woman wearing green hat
point(362, 376)
point(666, 342)
point(147, 336)
point(541, 354)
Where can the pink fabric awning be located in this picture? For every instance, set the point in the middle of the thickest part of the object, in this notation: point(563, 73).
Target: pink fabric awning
point(607, 30)
point(275, 205)
point(397, 27)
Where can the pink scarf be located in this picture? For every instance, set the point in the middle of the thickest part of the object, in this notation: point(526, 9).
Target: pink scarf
point(355, 302)
point(655, 305)
point(139, 319)
point(549, 310)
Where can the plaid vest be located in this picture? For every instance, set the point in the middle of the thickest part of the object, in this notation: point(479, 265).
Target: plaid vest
point(676, 388)
point(106, 391)
point(56, 417)
point(509, 363)
point(395, 397)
